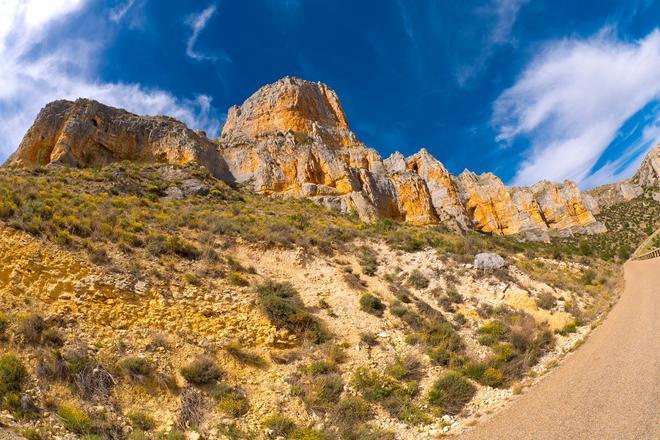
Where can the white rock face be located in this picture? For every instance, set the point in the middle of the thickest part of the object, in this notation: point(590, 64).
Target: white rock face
point(488, 261)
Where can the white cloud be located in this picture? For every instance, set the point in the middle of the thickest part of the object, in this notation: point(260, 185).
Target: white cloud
point(506, 12)
point(628, 163)
point(30, 77)
point(120, 10)
point(572, 99)
point(198, 22)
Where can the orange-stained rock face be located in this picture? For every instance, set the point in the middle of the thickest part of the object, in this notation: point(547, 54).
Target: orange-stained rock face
point(562, 205)
point(414, 199)
point(87, 133)
point(291, 104)
point(489, 205)
point(292, 138)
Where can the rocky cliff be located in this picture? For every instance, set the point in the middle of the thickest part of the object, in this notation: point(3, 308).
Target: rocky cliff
point(86, 133)
point(647, 177)
point(292, 138)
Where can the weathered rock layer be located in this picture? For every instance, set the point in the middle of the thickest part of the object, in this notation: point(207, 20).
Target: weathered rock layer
point(292, 138)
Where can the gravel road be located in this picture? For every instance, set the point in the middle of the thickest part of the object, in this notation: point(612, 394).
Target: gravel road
point(609, 388)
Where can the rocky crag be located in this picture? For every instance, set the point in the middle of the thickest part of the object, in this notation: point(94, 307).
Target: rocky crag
point(292, 138)
point(648, 176)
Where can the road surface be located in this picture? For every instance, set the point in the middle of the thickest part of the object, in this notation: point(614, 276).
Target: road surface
point(609, 388)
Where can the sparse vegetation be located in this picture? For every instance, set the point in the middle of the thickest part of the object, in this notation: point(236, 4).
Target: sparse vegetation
point(74, 419)
point(282, 304)
point(450, 393)
point(372, 304)
point(203, 370)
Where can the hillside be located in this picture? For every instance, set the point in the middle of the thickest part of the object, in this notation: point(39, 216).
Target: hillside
point(292, 138)
point(155, 298)
point(285, 281)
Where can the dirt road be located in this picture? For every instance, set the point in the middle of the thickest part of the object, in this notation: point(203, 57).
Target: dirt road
point(609, 388)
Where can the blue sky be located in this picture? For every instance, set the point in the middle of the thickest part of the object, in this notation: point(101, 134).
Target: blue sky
point(528, 89)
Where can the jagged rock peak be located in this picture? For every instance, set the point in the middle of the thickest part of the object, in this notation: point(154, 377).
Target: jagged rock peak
point(291, 104)
point(649, 171)
point(86, 133)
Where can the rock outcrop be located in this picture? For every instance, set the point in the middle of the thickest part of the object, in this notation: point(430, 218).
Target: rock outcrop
point(649, 171)
point(86, 133)
point(648, 176)
point(292, 138)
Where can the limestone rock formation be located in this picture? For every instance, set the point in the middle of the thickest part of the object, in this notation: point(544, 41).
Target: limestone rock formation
point(649, 171)
point(86, 133)
point(292, 138)
point(648, 176)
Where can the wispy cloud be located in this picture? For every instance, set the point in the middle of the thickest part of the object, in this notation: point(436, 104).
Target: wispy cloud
point(119, 11)
point(503, 15)
point(31, 76)
point(506, 13)
point(628, 163)
point(572, 99)
point(288, 11)
point(197, 23)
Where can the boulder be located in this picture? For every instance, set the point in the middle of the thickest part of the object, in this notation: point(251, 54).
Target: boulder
point(488, 261)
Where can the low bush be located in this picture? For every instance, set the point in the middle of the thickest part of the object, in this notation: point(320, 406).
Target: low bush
point(202, 371)
point(450, 393)
point(492, 332)
point(372, 305)
point(439, 356)
point(417, 280)
point(4, 324)
point(30, 328)
point(546, 300)
point(142, 421)
point(138, 369)
point(351, 411)
point(74, 419)
point(570, 327)
point(192, 408)
point(13, 374)
point(236, 279)
point(231, 401)
point(282, 305)
point(244, 356)
point(279, 425)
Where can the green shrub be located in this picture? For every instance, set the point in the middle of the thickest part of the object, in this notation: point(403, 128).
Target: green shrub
point(4, 324)
point(231, 402)
point(13, 374)
point(352, 410)
point(137, 434)
point(450, 393)
point(546, 300)
point(492, 377)
point(368, 261)
point(492, 332)
point(32, 434)
point(137, 368)
point(30, 327)
point(417, 280)
point(236, 279)
point(74, 419)
point(309, 434)
point(371, 304)
point(244, 356)
point(202, 371)
point(282, 305)
point(570, 327)
point(439, 356)
point(279, 425)
point(440, 334)
point(317, 368)
point(142, 421)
